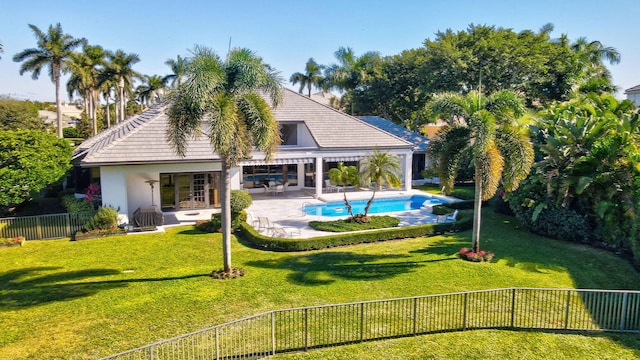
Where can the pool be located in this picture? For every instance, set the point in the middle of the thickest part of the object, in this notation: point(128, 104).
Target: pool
point(380, 205)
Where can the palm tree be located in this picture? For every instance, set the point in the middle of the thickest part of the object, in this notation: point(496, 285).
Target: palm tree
point(380, 168)
point(1, 50)
point(489, 133)
point(178, 69)
point(152, 90)
point(345, 176)
point(228, 95)
point(86, 68)
point(312, 76)
point(351, 72)
point(588, 65)
point(120, 68)
point(54, 48)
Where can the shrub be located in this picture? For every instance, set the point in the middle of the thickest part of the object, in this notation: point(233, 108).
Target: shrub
point(240, 200)
point(70, 132)
point(375, 222)
point(105, 219)
point(71, 204)
point(215, 224)
point(541, 215)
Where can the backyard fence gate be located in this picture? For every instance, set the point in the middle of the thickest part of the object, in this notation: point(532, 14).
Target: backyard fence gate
point(321, 326)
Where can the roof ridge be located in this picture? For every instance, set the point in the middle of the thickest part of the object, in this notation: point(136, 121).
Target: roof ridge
point(121, 131)
point(348, 115)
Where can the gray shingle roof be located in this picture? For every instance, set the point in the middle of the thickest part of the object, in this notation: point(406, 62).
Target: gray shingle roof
point(141, 138)
point(633, 89)
point(420, 143)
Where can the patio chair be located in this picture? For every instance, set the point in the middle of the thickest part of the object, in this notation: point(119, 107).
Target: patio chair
point(264, 224)
point(252, 220)
point(278, 190)
point(447, 217)
point(330, 187)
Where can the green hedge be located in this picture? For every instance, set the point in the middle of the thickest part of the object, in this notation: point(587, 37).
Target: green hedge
point(249, 234)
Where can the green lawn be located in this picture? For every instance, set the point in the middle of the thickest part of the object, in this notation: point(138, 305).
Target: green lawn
point(76, 300)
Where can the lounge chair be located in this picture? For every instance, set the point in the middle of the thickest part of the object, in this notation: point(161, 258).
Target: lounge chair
point(278, 190)
point(252, 220)
point(282, 233)
point(447, 217)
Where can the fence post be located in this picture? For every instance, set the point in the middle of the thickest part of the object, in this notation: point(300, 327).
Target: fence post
point(217, 346)
point(415, 315)
point(150, 352)
point(566, 313)
point(513, 306)
point(623, 312)
point(273, 333)
point(67, 219)
point(361, 321)
point(38, 228)
point(306, 329)
point(464, 312)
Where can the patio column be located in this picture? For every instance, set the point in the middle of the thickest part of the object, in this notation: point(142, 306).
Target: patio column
point(319, 176)
point(408, 169)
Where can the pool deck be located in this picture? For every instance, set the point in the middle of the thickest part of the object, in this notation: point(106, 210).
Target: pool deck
point(285, 211)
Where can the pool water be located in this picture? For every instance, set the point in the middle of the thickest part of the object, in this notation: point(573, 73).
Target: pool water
point(380, 205)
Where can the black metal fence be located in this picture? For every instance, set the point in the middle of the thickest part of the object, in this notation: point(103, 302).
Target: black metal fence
point(321, 326)
point(44, 227)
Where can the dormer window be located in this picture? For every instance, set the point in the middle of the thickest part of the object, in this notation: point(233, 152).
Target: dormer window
point(289, 134)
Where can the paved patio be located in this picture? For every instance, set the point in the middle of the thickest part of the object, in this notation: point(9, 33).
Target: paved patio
point(285, 211)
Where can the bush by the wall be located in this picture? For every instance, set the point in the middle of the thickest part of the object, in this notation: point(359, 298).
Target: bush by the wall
point(71, 204)
point(215, 224)
point(105, 219)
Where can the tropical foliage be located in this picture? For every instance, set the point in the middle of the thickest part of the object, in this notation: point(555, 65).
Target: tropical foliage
point(54, 48)
point(587, 181)
point(344, 176)
point(227, 95)
point(379, 168)
point(29, 161)
point(485, 132)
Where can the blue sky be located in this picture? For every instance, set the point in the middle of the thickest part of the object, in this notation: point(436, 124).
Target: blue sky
point(287, 33)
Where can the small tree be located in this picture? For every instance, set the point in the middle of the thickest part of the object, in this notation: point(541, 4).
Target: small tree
point(381, 168)
point(345, 176)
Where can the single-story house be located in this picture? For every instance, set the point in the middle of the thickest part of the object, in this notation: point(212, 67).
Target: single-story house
point(420, 143)
point(633, 94)
point(136, 166)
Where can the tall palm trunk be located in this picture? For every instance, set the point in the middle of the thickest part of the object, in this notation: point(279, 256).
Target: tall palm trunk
point(226, 210)
point(107, 112)
point(477, 209)
point(121, 88)
point(56, 79)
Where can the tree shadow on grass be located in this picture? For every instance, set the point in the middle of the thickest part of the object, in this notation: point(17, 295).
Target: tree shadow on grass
point(325, 268)
point(42, 285)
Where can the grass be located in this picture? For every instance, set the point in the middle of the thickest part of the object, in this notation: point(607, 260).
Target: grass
point(82, 300)
point(342, 225)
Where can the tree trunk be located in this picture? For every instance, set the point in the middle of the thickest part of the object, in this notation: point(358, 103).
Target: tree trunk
point(56, 79)
point(226, 214)
point(366, 208)
point(94, 113)
point(122, 106)
point(477, 209)
point(107, 112)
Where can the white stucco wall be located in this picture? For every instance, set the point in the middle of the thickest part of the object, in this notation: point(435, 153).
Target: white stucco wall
point(124, 186)
point(635, 97)
point(304, 137)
